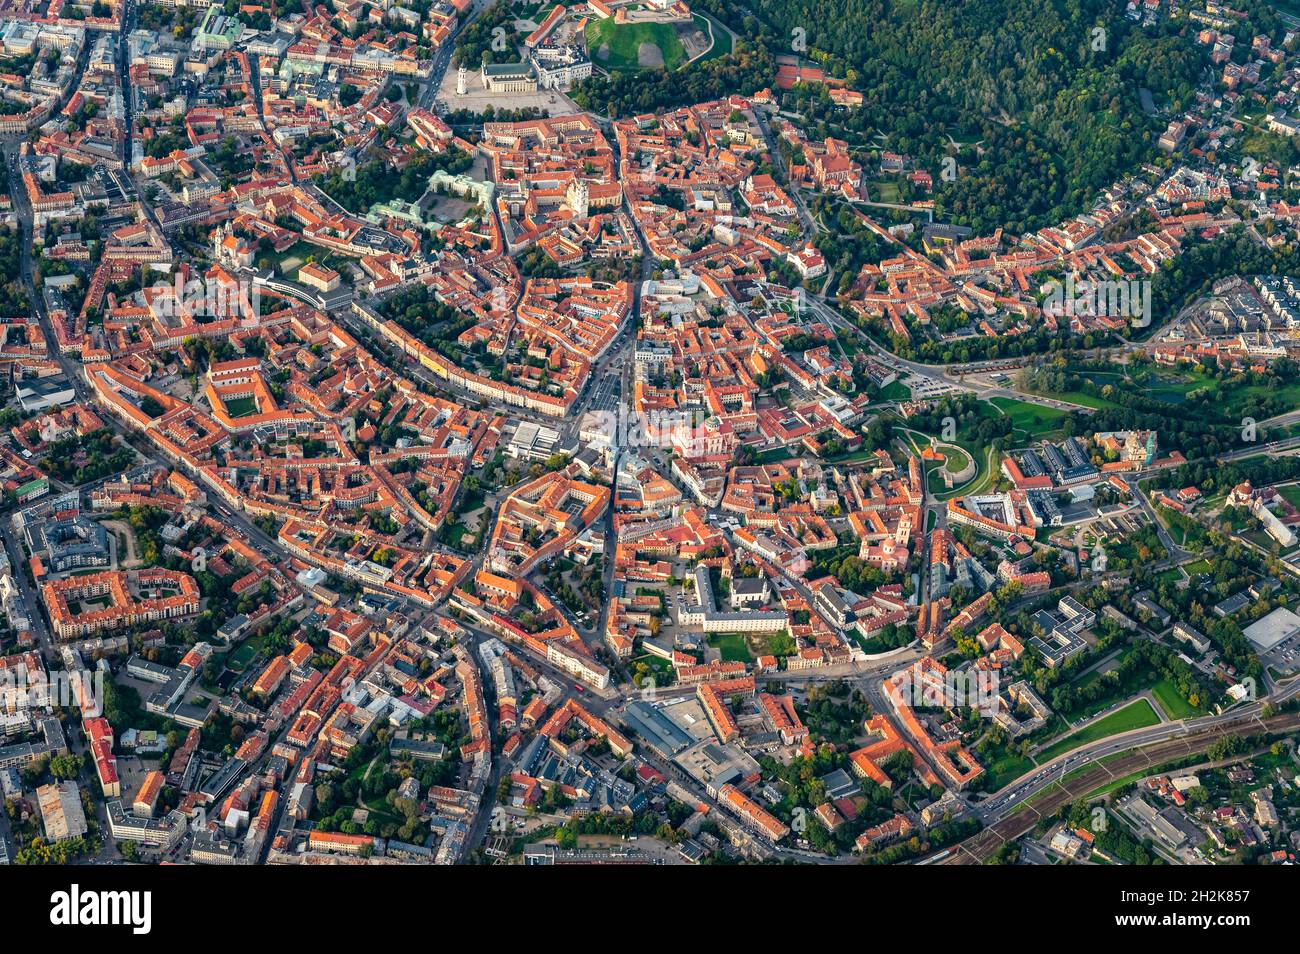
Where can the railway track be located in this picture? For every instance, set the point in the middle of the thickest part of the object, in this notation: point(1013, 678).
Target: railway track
point(980, 847)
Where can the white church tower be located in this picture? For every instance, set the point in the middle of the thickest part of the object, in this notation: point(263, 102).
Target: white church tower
point(577, 198)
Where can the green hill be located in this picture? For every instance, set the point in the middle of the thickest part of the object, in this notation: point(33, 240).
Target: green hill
point(1053, 105)
point(627, 46)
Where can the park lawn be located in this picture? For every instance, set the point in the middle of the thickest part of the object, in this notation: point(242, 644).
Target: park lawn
point(1077, 397)
point(954, 458)
point(1033, 420)
point(470, 500)
point(624, 43)
point(1006, 769)
point(533, 11)
point(1136, 715)
point(452, 534)
point(1125, 550)
point(872, 647)
point(1163, 384)
point(985, 466)
point(1087, 400)
point(381, 812)
point(1230, 401)
point(721, 37)
point(885, 190)
point(1083, 682)
point(295, 256)
point(1291, 494)
point(776, 455)
point(922, 439)
point(732, 646)
point(1174, 388)
point(661, 668)
point(1140, 680)
point(1233, 402)
point(1171, 575)
point(895, 391)
point(1171, 700)
point(986, 476)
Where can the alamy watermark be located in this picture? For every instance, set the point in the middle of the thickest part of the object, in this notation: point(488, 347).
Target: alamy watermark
point(207, 298)
point(78, 688)
point(1100, 299)
point(76, 907)
point(975, 689)
point(690, 433)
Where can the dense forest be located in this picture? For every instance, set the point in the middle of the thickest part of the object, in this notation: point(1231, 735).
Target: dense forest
point(491, 38)
point(13, 297)
point(1053, 104)
point(748, 68)
point(1039, 109)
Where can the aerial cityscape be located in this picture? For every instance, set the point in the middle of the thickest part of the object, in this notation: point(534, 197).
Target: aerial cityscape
point(650, 432)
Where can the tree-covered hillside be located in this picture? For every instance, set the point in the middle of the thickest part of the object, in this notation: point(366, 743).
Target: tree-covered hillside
point(1053, 105)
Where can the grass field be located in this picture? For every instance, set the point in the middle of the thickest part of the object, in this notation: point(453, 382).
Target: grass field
point(1135, 715)
point(1030, 420)
point(288, 262)
point(1006, 769)
point(662, 669)
point(721, 38)
point(617, 46)
point(1228, 399)
point(896, 391)
point(1086, 400)
point(986, 472)
point(241, 407)
point(985, 477)
point(1171, 575)
point(885, 190)
point(732, 647)
point(954, 458)
point(1291, 494)
point(1172, 701)
point(453, 533)
point(954, 461)
point(243, 654)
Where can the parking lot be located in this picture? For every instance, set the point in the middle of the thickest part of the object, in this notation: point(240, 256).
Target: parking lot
point(1285, 655)
point(924, 388)
point(131, 771)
